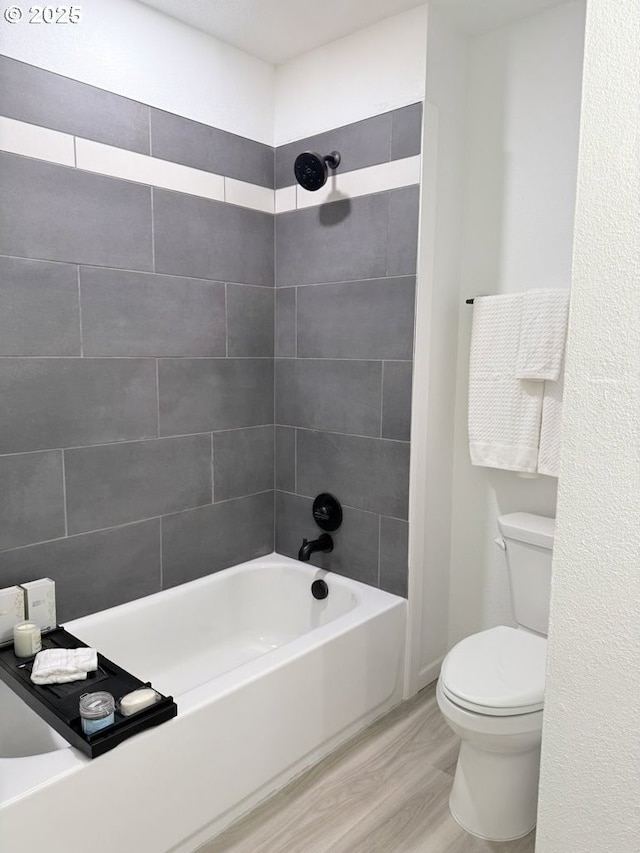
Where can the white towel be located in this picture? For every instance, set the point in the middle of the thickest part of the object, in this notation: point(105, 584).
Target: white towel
point(550, 429)
point(504, 412)
point(58, 666)
point(543, 332)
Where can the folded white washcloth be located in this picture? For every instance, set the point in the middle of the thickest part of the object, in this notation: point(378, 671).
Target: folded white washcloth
point(504, 412)
point(58, 666)
point(543, 333)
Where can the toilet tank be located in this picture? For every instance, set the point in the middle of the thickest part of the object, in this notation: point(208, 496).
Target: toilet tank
point(528, 543)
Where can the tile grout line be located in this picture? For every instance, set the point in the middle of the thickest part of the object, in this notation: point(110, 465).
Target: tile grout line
point(347, 434)
point(153, 234)
point(161, 565)
point(275, 352)
point(209, 280)
point(345, 506)
point(391, 123)
point(226, 321)
point(136, 521)
point(79, 314)
point(379, 545)
point(204, 432)
point(160, 357)
point(158, 398)
point(388, 232)
point(275, 484)
point(275, 508)
point(64, 495)
point(212, 470)
point(178, 436)
point(381, 399)
point(347, 281)
point(132, 440)
point(185, 358)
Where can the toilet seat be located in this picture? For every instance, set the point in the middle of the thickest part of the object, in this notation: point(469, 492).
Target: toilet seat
point(499, 672)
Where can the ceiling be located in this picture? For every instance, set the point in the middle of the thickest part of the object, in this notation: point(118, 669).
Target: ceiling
point(278, 30)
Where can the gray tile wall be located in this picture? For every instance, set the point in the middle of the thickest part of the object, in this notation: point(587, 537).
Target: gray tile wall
point(136, 357)
point(193, 144)
point(385, 137)
point(39, 97)
point(138, 330)
point(345, 295)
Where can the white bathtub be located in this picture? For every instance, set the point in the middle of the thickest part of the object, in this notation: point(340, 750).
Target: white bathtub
point(266, 678)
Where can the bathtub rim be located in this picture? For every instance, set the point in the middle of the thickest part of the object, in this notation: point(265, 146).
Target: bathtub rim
point(271, 559)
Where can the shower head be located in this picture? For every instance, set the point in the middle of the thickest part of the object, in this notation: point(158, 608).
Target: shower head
point(312, 170)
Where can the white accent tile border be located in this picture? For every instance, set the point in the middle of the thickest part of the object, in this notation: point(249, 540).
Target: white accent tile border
point(285, 199)
point(248, 195)
point(29, 140)
point(372, 179)
point(120, 163)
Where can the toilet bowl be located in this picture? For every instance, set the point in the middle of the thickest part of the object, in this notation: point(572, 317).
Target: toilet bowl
point(490, 692)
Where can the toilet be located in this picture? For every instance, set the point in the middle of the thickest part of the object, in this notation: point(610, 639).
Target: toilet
point(491, 693)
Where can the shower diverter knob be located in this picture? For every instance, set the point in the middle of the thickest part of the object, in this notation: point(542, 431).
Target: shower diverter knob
point(327, 512)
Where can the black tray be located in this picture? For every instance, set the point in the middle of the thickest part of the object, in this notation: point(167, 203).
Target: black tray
point(57, 704)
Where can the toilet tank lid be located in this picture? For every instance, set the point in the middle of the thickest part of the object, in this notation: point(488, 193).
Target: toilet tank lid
point(527, 527)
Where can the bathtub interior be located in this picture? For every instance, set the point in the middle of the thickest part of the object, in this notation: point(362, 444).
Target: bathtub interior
point(187, 636)
point(22, 731)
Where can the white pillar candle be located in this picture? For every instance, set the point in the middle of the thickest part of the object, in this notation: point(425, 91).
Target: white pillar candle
point(26, 639)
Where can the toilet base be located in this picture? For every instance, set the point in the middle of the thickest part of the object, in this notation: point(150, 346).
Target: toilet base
point(495, 794)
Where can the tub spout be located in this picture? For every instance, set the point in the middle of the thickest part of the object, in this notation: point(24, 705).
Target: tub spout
point(323, 543)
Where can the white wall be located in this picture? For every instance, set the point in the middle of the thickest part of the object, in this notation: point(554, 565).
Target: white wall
point(436, 344)
point(135, 51)
point(590, 782)
point(523, 124)
point(374, 70)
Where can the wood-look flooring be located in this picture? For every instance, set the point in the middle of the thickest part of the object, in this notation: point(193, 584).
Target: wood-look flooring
point(386, 791)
